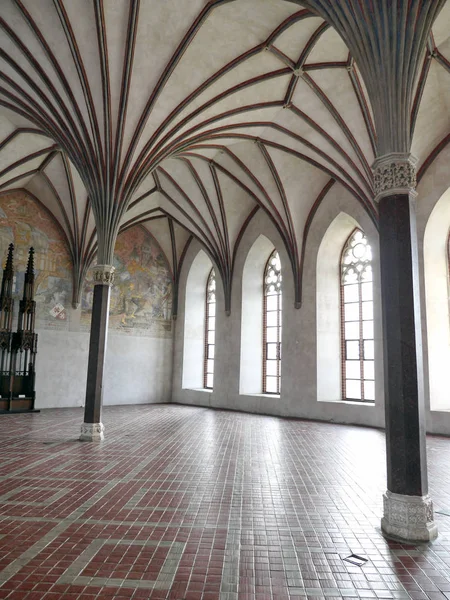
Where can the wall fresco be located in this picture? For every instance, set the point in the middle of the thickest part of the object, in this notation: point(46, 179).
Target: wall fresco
point(141, 298)
point(25, 223)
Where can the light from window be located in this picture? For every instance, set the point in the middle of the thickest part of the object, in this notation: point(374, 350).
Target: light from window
point(210, 330)
point(358, 372)
point(272, 325)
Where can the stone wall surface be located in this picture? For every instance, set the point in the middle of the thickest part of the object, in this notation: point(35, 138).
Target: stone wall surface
point(146, 349)
point(139, 355)
point(300, 366)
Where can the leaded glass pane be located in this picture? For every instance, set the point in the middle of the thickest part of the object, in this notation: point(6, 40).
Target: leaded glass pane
point(367, 311)
point(352, 350)
point(368, 330)
point(369, 369)
point(369, 350)
point(272, 319)
point(369, 390)
point(367, 291)
point(272, 334)
point(351, 331)
point(353, 388)
point(351, 312)
point(271, 385)
point(271, 368)
point(351, 293)
point(271, 303)
point(353, 369)
point(271, 350)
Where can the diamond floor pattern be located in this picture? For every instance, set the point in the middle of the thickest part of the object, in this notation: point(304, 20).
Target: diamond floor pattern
point(187, 503)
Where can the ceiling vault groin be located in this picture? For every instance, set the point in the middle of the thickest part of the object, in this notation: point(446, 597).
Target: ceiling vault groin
point(188, 121)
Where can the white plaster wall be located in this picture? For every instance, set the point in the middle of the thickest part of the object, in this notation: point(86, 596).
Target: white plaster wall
point(299, 387)
point(300, 352)
point(251, 364)
point(299, 364)
point(194, 322)
point(61, 367)
point(436, 270)
point(187, 385)
point(138, 370)
point(328, 297)
point(435, 325)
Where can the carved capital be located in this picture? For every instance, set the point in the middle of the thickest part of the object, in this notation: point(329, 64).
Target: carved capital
point(104, 275)
point(92, 432)
point(394, 174)
point(408, 518)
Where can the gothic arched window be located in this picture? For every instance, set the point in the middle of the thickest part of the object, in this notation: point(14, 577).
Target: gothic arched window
point(272, 325)
point(210, 330)
point(358, 373)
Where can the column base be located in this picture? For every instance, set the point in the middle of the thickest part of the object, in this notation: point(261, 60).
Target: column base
point(92, 432)
point(408, 518)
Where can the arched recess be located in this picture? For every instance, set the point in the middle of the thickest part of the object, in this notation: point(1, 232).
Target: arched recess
point(194, 322)
point(328, 307)
point(251, 364)
point(437, 297)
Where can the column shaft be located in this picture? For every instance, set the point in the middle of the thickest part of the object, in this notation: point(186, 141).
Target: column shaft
point(97, 350)
point(403, 370)
point(408, 511)
point(92, 428)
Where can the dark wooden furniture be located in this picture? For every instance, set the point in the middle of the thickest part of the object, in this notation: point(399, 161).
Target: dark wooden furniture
point(18, 348)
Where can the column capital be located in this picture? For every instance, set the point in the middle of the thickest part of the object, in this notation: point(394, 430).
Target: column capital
point(104, 275)
point(394, 173)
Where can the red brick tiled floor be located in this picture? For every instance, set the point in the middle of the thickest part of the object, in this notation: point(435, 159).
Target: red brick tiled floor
point(190, 503)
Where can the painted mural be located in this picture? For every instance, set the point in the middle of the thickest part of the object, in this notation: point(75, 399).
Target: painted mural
point(141, 298)
point(25, 223)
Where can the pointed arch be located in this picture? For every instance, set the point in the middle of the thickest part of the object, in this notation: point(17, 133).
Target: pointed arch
point(436, 252)
point(251, 361)
point(194, 322)
point(328, 320)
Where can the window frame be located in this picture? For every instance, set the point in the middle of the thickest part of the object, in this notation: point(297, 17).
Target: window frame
point(361, 339)
point(207, 345)
point(278, 326)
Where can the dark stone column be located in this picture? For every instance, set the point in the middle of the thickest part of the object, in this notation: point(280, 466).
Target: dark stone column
point(408, 510)
point(92, 428)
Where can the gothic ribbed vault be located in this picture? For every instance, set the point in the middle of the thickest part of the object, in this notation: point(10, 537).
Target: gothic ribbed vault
point(190, 116)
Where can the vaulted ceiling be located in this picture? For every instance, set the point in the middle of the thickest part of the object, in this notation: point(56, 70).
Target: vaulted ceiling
point(189, 116)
